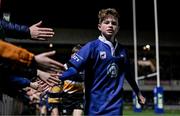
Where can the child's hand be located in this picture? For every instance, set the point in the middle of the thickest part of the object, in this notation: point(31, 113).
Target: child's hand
point(141, 99)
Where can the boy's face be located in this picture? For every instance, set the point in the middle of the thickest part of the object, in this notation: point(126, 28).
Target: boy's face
point(109, 26)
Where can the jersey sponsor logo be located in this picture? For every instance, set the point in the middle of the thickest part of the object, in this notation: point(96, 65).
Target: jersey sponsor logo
point(112, 70)
point(77, 58)
point(102, 54)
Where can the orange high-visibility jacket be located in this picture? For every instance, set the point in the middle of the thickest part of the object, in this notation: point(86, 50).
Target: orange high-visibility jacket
point(15, 53)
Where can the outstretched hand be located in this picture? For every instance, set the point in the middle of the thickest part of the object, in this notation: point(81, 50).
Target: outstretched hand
point(47, 64)
point(46, 77)
point(40, 33)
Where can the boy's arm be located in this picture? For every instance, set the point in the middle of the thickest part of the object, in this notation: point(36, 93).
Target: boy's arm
point(132, 82)
point(70, 72)
point(134, 86)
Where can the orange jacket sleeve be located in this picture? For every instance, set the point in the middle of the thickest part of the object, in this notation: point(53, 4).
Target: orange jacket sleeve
point(15, 53)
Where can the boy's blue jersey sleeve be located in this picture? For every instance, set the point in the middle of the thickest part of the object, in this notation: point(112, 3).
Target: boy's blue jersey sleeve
point(77, 62)
point(70, 72)
point(80, 59)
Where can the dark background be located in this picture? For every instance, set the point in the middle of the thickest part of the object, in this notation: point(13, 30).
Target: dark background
point(83, 13)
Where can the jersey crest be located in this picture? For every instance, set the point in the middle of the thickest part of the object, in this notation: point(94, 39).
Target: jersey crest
point(112, 70)
point(76, 58)
point(102, 54)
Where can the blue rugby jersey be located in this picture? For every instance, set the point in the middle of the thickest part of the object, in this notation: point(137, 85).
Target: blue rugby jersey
point(105, 68)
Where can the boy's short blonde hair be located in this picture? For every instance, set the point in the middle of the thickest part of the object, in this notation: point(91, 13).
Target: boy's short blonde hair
point(106, 12)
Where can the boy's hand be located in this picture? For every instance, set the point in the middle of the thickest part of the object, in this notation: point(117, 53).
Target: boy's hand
point(141, 99)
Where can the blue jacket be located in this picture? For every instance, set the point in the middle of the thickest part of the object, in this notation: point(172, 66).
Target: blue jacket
point(9, 29)
point(19, 82)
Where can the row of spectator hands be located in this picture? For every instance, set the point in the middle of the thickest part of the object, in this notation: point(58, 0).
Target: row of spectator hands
point(49, 69)
point(42, 84)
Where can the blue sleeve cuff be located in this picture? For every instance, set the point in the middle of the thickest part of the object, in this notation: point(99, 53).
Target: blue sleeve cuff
point(68, 73)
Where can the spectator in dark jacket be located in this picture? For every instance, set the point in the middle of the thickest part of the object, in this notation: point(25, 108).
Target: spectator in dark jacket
point(36, 32)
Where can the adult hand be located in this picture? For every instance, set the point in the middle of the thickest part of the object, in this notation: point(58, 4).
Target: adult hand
point(47, 64)
point(46, 77)
point(40, 33)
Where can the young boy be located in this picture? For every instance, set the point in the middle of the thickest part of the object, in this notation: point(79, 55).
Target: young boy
point(106, 65)
point(73, 98)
